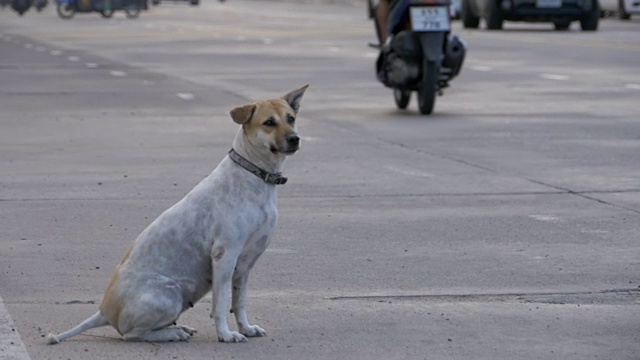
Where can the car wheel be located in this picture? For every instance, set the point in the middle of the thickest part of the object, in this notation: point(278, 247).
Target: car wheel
point(589, 21)
point(494, 16)
point(561, 25)
point(469, 20)
point(106, 13)
point(622, 12)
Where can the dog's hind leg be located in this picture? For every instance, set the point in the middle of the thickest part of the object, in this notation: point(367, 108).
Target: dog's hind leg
point(96, 320)
point(172, 333)
point(150, 315)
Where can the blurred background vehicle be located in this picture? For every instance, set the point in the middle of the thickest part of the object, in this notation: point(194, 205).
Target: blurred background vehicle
point(191, 2)
point(456, 8)
point(559, 12)
point(68, 8)
point(624, 9)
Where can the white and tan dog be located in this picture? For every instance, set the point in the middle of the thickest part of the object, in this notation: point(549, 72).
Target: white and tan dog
point(209, 240)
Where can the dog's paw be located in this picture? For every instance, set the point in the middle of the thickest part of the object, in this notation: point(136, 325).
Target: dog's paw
point(181, 335)
point(187, 329)
point(231, 337)
point(253, 331)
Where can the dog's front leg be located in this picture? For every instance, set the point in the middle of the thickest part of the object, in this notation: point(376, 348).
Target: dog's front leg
point(223, 264)
point(239, 307)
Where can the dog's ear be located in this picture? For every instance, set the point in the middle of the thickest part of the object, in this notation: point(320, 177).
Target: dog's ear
point(294, 97)
point(242, 114)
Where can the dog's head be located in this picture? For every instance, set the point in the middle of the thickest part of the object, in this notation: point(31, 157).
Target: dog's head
point(271, 124)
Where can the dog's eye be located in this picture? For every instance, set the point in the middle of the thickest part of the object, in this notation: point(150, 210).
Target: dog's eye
point(291, 119)
point(270, 122)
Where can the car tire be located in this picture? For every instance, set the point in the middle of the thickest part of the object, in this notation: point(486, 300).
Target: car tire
point(469, 20)
point(622, 12)
point(589, 21)
point(562, 25)
point(494, 17)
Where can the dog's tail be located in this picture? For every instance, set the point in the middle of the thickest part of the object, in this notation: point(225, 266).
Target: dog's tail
point(96, 320)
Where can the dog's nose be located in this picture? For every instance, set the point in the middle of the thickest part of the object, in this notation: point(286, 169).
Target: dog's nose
point(293, 140)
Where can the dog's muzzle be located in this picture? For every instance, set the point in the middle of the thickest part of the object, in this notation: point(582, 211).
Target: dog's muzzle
point(292, 144)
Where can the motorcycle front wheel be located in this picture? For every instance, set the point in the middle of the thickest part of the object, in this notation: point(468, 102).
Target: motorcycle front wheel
point(428, 87)
point(65, 10)
point(402, 98)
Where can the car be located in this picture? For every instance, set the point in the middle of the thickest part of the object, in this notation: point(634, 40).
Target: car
point(623, 8)
point(559, 12)
point(456, 6)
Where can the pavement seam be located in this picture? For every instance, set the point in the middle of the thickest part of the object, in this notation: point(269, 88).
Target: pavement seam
point(487, 296)
point(561, 189)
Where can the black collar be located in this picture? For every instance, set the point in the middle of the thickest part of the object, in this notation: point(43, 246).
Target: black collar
point(269, 178)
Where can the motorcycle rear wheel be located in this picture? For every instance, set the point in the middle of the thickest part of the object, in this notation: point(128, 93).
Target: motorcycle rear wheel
point(65, 10)
point(428, 87)
point(402, 98)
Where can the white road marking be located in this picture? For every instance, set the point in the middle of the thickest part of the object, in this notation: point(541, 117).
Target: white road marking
point(481, 68)
point(632, 86)
point(91, 65)
point(595, 231)
point(557, 77)
point(371, 54)
point(416, 173)
point(73, 58)
point(118, 73)
point(281, 251)
point(40, 49)
point(10, 342)
point(546, 218)
point(309, 138)
point(267, 41)
point(333, 48)
point(55, 52)
point(186, 96)
point(28, 46)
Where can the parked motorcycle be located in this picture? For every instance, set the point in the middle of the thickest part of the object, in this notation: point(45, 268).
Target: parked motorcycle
point(68, 8)
point(420, 53)
point(21, 6)
point(40, 4)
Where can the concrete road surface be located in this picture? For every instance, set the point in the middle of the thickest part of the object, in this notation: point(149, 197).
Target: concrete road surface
point(505, 226)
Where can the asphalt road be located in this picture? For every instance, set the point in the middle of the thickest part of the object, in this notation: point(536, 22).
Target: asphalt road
point(505, 226)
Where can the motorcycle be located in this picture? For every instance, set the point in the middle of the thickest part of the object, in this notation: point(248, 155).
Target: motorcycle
point(21, 6)
point(420, 53)
point(40, 4)
point(68, 8)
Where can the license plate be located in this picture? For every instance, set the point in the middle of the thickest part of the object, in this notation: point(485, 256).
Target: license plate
point(548, 3)
point(430, 18)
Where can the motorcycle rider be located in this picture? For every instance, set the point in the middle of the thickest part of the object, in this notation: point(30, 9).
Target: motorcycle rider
point(382, 20)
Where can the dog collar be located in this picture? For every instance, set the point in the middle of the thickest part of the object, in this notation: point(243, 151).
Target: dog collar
point(269, 178)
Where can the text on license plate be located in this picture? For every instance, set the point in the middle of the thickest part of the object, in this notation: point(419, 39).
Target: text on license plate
point(431, 18)
point(548, 3)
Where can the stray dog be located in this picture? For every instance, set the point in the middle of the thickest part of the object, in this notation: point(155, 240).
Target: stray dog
point(209, 240)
